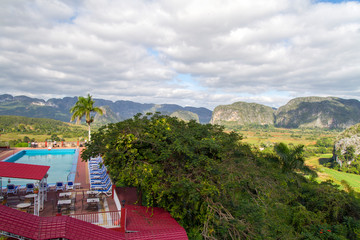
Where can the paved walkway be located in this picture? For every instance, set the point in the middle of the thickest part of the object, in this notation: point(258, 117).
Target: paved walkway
point(7, 153)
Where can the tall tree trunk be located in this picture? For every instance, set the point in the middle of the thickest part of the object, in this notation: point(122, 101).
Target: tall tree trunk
point(89, 132)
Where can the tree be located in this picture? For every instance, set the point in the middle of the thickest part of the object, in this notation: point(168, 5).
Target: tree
point(292, 159)
point(84, 107)
point(216, 187)
point(349, 153)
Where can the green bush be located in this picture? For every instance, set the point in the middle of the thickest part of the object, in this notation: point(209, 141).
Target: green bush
point(22, 144)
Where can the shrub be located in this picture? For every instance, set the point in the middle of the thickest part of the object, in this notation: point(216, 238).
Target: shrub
point(22, 144)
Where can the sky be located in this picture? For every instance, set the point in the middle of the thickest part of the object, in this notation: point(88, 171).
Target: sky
point(200, 53)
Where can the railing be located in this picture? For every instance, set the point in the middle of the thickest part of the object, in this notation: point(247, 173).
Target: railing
point(109, 219)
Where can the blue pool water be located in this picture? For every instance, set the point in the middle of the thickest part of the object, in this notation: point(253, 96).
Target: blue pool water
point(62, 164)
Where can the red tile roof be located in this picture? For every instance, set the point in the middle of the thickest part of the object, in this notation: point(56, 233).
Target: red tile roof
point(34, 227)
point(21, 170)
point(153, 223)
point(159, 226)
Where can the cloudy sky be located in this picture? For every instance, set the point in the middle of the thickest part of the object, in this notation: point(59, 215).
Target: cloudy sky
point(201, 53)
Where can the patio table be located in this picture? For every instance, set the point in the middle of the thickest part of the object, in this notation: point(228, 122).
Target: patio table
point(65, 194)
point(23, 205)
point(91, 193)
point(92, 202)
point(64, 202)
point(30, 196)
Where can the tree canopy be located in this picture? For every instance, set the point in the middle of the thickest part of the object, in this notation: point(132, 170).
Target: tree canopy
point(84, 107)
point(217, 187)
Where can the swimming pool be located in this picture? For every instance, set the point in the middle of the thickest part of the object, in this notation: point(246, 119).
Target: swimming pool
point(62, 162)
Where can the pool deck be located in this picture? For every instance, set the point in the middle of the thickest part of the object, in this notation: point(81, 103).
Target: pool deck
point(79, 195)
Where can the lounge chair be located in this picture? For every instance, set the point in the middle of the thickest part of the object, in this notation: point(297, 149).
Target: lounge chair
point(11, 188)
point(69, 185)
point(98, 176)
point(107, 191)
point(29, 188)
point(60, 186)
point(96, 167)
point(101, 181)
point(100, 186)
point(98, 172)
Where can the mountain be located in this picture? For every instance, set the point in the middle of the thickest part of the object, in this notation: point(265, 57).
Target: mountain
point(185, 115)
point(321, 112)
point(108, 116)
point(346, 151)
point(243, 113)
point(304, 112)
point(58, 109)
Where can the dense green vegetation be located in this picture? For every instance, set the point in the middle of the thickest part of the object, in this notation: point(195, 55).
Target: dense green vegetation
point(347, 151)
point(34, 129)
point(218, 187)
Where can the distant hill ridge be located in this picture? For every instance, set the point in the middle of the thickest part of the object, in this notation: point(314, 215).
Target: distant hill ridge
point(303, 112)
point(58, 109)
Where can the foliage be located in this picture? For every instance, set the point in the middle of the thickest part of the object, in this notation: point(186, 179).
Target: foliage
point(292, 159)
point(84, 107)
point(38, 126)
point(217, 187)
point(325, 142)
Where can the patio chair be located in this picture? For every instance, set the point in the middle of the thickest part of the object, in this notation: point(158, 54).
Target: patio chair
point(51, 187)
point(11, 188)
point(101, 172)
point(104, 181)
point(70, 185)
point(98, 176)
point(29, 188)
point(107, 191)
point(96, 166)
point(60, 186)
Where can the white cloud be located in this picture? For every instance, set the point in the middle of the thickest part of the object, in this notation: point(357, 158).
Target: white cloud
point(264, 51)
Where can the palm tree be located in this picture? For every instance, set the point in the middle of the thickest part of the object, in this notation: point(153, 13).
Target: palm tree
point(84, 107)
point(292, 159)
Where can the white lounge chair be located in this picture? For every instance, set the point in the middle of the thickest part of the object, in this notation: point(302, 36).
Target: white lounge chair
point(70, 185)
point(11, 188)
point(29, 188)
point(60, 186)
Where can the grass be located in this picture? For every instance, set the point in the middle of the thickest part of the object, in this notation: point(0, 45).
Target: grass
point(308, 138)
point(259, 137)
point(331, 174)
point(337, 177)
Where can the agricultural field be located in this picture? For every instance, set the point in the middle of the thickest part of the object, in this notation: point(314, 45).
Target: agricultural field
point(269, 136)
point(308, 138)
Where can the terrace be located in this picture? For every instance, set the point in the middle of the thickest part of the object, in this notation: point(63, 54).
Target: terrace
point(103, 210)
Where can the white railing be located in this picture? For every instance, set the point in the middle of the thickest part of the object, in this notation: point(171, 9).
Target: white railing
point(110, 219)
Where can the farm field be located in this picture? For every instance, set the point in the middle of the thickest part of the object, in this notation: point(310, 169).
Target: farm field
point(259, 137)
